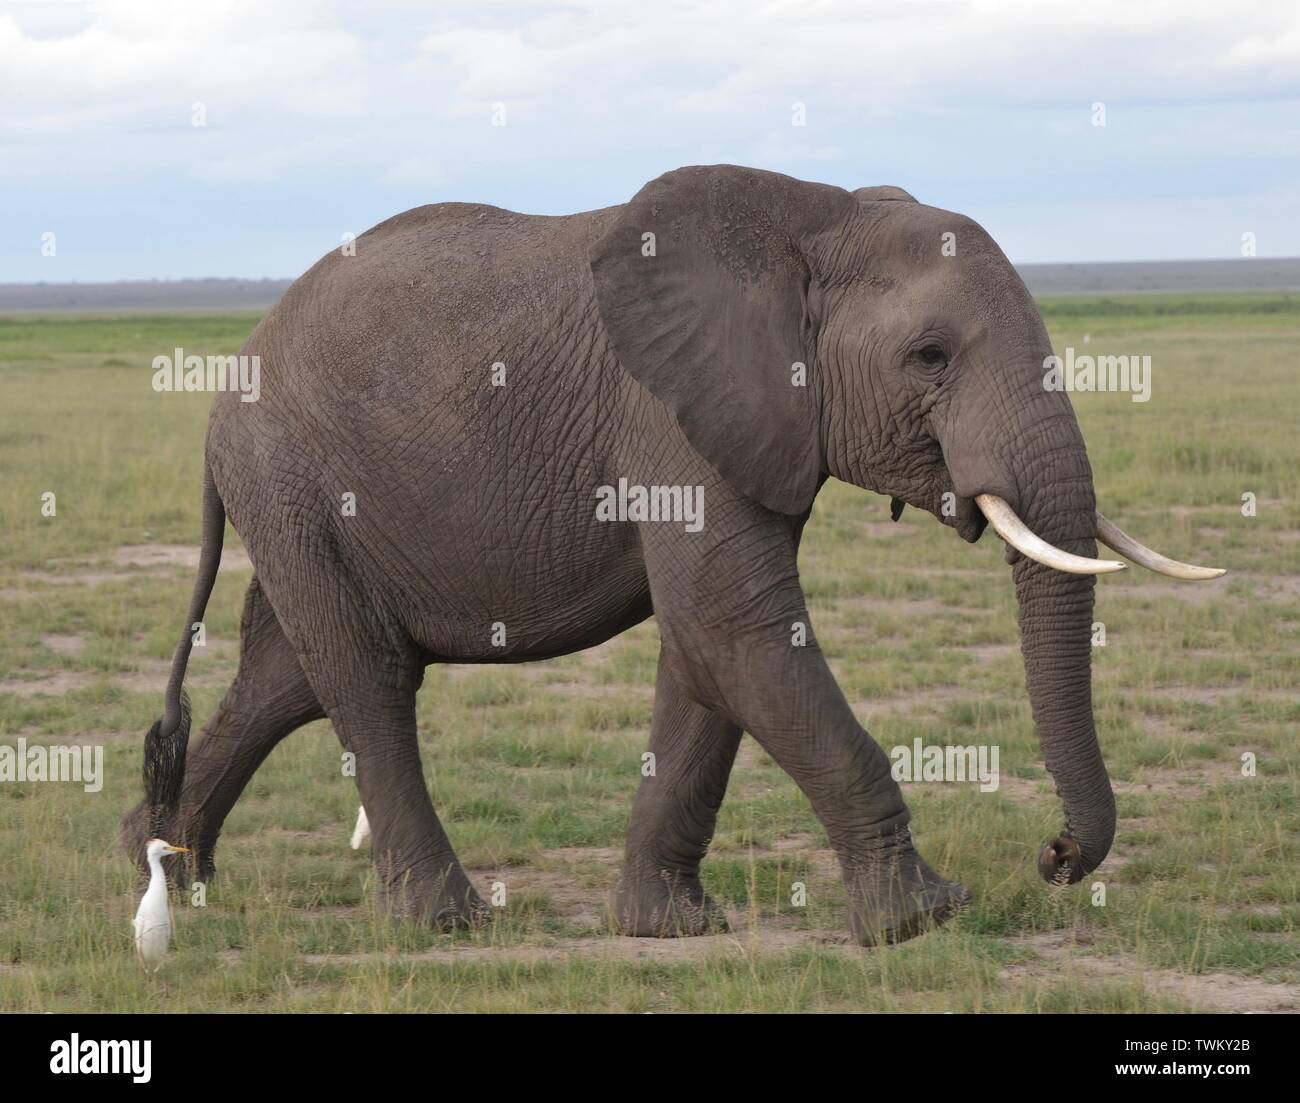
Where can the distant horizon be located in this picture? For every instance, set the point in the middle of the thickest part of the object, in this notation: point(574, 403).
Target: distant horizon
point(1275, 275)
point(289, 279)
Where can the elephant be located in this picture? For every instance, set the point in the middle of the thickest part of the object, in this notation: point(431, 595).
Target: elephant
point(474, 382)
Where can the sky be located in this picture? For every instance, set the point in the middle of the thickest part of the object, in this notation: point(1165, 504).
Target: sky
point(320, 118)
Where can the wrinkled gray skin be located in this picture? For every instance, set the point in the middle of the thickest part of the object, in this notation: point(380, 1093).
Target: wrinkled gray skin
point(475, 505)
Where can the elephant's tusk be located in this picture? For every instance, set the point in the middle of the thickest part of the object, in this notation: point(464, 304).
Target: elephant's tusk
point(1016, 533)
point(1119, 541)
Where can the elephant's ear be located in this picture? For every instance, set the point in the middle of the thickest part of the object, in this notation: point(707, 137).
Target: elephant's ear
point(883, 191)
point(702, 284)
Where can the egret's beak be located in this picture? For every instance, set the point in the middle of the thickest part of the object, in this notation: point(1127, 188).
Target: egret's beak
point(179, 849)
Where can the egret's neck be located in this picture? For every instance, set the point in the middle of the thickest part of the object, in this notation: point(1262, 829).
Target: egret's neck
point(157, 879)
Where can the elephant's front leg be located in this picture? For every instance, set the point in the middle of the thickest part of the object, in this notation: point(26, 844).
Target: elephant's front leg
point(737, 638)
point(692, 749)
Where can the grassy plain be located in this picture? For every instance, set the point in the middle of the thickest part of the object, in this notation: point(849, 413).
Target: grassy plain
point(533, 767)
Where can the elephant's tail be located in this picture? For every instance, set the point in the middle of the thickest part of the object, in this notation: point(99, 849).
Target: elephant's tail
point(165, 745)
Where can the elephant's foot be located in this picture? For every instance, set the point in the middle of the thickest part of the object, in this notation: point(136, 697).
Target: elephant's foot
point(894, 895)
point(665, 904)
point(446, 902)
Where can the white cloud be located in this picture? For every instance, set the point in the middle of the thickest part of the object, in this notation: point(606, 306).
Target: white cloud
point(953, 98)
point(720, 54)
point(1277, 55)
point(594, 67)
point(145, 54)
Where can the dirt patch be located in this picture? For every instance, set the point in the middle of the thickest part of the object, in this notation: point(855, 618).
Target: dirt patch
point(1213, 695)
point(1228, 992)
point(796, 850)
point(1265, 911)
point(1026, 791)
point(567, 890)
point(1116, 860)
point(932, 699)
point(150, 679)
point(52, 683)
point(989, 652)
point(1278, 588)
point(1190, 780)
point(150, 556)
point(458, 672)
point(1226, 513)
point(563, 896)
point(1190, 593)
point(64, 645)
point(128, 561)
point(545, 672)
point(744, 944)
point(802, 841)
point(207, 668)
point(328, 833)
point(1164, 729)
point(887, 530)
point(939, 572)
point(152, 675)
point(916, 607)
point(78, 578)
point(588, 690)
point(79, 739)
point(606, 855)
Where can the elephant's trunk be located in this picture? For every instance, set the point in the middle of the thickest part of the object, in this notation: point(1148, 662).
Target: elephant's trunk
point(1056, 616)
point(1028, 450)
point(1055, 639)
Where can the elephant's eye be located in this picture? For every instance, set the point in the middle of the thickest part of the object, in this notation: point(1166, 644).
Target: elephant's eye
point(930, 355)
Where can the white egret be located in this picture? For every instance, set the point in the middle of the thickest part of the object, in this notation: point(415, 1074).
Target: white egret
point(153, 922)
point(361, 832)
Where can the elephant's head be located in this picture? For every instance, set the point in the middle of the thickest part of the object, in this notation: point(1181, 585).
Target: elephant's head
point(797, 331)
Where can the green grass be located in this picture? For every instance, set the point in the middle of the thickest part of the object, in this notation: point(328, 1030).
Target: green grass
point(533, 768)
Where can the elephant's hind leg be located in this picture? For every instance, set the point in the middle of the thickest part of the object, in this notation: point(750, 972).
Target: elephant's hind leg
point(420, 876)
point(659, 892)
point(365, 676)
point(268, 699)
